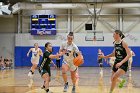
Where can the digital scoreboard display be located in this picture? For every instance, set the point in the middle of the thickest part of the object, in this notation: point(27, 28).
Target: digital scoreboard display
point(43, 24)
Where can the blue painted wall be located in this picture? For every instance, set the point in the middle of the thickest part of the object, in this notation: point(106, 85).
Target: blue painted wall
point(89, 53)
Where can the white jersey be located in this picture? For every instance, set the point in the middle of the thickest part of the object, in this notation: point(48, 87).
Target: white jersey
point(35, 55)
point(35, 52)
point(70, 49)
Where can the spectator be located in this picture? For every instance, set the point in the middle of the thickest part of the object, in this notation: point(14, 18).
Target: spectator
point(2, 64)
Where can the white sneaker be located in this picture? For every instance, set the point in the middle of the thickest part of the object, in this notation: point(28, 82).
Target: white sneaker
point(30, 75)
point(66, 86)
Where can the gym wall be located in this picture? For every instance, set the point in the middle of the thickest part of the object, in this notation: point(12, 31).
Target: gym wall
point(89, 50)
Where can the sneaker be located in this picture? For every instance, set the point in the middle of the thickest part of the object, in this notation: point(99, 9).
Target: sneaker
point(130, 75)
point(73, 90)
point(122, 83)
point(30, 75)
point(30, 85)
point(43, 87)
point(2, 68)
point(66, 86)
point(49, 92)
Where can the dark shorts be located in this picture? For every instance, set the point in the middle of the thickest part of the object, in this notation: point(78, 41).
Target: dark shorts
point(100, 61)
point(124, 66)
point(45, 71)
point(58, 63)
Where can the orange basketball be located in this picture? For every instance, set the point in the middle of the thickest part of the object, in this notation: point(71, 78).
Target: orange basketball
point(78, 60)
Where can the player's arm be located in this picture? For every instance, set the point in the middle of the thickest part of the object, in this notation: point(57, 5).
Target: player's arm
point(54, 56)
point(108, 56)
point(40, 53)
point(104, 58)
point(53, 63)
point(62, 51)
point(29, 52)
point(127, 52)
point(133, 54)
point(78, 52)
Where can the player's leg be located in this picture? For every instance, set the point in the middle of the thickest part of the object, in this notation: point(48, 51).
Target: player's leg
point(73, 69)
point(46, 78)
point(34, 66)
point(115, 79)
point(130, 66)
point(65, 68)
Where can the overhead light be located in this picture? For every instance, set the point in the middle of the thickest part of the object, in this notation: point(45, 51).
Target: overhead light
point(4, 8)
point(63, 6)
point(92, 10)
point(122, 5)
point(1, 3)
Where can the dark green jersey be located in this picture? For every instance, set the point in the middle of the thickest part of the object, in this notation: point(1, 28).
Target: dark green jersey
point(46, 60)
point(120, 52)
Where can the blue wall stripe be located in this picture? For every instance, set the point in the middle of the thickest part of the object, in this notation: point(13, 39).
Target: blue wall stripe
point(89, 53)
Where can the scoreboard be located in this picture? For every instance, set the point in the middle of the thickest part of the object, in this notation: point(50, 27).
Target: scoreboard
point(43, 25)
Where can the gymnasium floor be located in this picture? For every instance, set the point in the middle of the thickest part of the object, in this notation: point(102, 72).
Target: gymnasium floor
point(17, 81)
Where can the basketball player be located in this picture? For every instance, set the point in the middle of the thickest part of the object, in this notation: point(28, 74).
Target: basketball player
point(44, 68)
point(68, 48)
point(36, 52)
point(130, 61)
point(100, 61)
point(122, 54)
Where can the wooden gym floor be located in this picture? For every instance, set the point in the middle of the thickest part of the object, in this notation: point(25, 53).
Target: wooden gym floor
point(17, 81)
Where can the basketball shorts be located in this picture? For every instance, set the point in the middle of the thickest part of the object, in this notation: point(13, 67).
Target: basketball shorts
point(124, 66)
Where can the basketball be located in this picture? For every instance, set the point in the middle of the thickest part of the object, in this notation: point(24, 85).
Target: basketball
point(78, 60)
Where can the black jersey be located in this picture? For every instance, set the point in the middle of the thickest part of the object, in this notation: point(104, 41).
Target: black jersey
point(100, 60)
point(120, 52)
point(45, 60)
point(100, 54)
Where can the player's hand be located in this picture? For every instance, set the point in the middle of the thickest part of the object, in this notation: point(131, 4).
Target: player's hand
point(118, 65)
point(101, 56)
point(27, 54)
point(62, 53)
point(58, 55)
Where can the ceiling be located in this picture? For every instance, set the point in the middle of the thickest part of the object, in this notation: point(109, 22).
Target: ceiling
point(109, 6)
point(65, 1)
